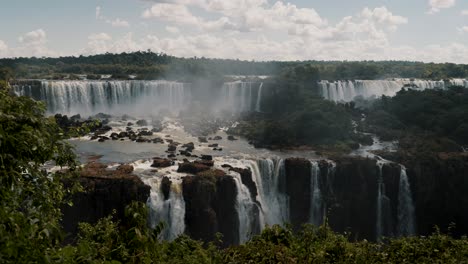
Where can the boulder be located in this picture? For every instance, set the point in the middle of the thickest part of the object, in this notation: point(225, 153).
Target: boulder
point(125, 169)
point(161, 163)
point(207, 157)
point(142, 122)
point(209, 163)
point(172, 147)
point(192, 167)
point(166, 187)
point(202, 140)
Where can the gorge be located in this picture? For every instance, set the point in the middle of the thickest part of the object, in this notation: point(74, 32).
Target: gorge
point(253, 188)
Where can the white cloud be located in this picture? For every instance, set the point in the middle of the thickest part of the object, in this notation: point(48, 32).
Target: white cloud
point(118, 23)
point(173, 30)
point(171, 12)
point(463, 29)
point(464, 12)
point(35, 37)
point(436, 5)
point(98, 12)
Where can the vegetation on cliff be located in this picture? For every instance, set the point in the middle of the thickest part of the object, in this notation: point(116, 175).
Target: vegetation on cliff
point(422, 121)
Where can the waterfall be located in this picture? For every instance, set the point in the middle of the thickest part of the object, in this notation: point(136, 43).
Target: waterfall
point(316, 203)
point(346, 91)
point(406, 223)
point(379, 224)
point(238, 96)
point(115, 97)
point(274, 202)
point(245, 209)
point(383, 219)
point(259, 98)
point(171, 211)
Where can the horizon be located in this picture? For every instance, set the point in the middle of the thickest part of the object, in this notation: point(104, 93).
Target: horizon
point(258, 30)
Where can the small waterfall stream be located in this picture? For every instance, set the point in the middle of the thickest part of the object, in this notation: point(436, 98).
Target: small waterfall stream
point(406, 218)
point(316, 203)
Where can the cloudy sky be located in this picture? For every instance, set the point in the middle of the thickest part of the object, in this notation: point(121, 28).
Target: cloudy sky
point(422, 30)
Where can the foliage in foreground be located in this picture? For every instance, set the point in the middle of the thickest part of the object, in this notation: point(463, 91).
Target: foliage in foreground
point(107, 242)
point(30, 199)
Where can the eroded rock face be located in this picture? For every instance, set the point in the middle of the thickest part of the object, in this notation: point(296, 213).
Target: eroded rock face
point(440, 191)
point(161, 163)
point(192, 167)
point(210, 207)
point(105, 191)
point(298, 189)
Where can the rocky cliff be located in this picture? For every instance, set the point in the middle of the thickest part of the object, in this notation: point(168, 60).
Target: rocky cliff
point(105, 191)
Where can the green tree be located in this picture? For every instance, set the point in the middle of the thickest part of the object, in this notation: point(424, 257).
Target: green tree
point(30, 198)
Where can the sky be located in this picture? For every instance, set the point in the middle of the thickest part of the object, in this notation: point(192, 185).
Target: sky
point(415, 30)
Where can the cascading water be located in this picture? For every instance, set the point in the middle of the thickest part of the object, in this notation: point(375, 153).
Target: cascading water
point(316, 203)
point(171, 212)
point(115, 97)
point(274, 202)
point(406, 218)
point(238, 96)
point(245, 209)
point(346, 91)
point(259, 98)
point(383, 218)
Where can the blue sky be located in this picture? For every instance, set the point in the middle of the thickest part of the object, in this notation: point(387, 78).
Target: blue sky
point(422, 30)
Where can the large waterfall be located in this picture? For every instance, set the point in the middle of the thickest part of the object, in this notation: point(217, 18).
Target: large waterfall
point(116, 97)
point(346, 91)
point(242, 96)
point(406, 218)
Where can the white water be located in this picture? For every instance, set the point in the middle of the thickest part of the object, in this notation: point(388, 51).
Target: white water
point(171, 212)
point(259, 98)
point(117, 97)
point(380, 186)
point(316, 203)
point(406, 216)
point(274, 204)
point(238, 96)
point(346, 91)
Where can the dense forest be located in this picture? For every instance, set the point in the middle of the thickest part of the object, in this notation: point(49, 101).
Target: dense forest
point(150, 65)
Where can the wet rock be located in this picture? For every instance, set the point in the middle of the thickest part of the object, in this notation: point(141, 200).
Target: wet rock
point(207, 157)
point(141, 140)
point(129, 124)
point(231, 138)
point(247, 180)
point(189, 146)
point(209, 163)
point(122, 135)
point(171, 155)
point(185, 153)
point(202, 139)
point(192, 167)
point(172, 147)
point(125, 169)
point(218, 138)
point(166, 187)
point(145, 133)
point(158, 140)
point(128, 129)
point(213, 145)
point(212, 173)
point(161, 163)
point(94, 137)
point(226, 166)
point(142, 122)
